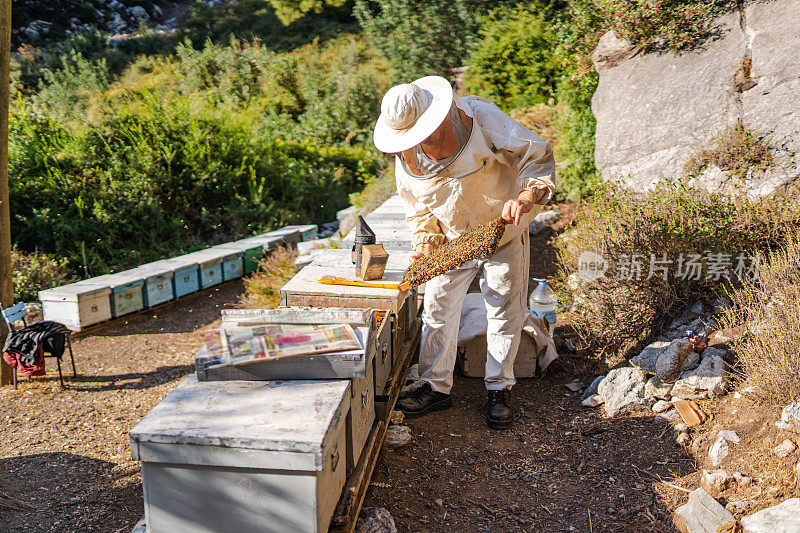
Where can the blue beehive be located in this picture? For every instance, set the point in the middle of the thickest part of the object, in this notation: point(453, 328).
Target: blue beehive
point(185, 275)
point(126, 291)
point(158, 283)
point(232, 262)
point(209, 262)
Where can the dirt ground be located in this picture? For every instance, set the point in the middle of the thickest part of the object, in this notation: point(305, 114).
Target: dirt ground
point(65, 453)
point(561, 467)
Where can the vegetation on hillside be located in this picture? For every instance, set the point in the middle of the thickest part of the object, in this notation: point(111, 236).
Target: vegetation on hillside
point(663, 250)
point(258, 113)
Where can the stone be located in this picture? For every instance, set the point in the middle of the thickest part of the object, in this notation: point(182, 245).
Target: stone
point(543, 220)
point(706, 381)
point(712, 351)
point(715, 482)
point(397, 436)
point(397, 417)
point(683, 438)
point(661, 406)
point(737, 506)
point(612, 50)
point(770, 106)
point(591, 390)
point(701, 514)
point(623, 390)
point(744, 73)
point(375, 520)
point(657, 389)
point(782, 518)
point(742, 480)
point(646, 360)
point(785, 448)
point(139, 13)
point(790, 415)
point(677, 357)
point(593, 401)
point(719, 449)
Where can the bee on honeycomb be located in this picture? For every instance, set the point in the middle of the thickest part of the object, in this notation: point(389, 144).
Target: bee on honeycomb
point(479, 243)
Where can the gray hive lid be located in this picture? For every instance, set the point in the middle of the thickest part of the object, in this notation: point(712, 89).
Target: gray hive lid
point(160, 268)
point(74, 292)
point(267, 242)
point(174, 263)
point(283, 416)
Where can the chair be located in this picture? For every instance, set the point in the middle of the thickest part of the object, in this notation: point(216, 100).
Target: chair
point(18, 312)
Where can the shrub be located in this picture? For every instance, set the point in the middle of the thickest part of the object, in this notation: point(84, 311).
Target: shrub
point(671, 222)
point(768, 311)
point(736, 150)
point(192, 149)
point(514, 65)
point(262, 288)
point(421, 38)
point(376, 191)
point(34, 272)
point(670, 24)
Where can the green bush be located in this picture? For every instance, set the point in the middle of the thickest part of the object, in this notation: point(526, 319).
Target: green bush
point(34, 272)
point(672, 221)
point(421, 38)
point(191, 149)
point(671, 24)
point(514, 65)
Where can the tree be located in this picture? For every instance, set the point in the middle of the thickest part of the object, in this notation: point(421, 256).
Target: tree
point(421, 38)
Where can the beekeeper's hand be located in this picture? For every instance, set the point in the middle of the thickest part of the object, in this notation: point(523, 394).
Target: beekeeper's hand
point(420, 251)
point(514, 209)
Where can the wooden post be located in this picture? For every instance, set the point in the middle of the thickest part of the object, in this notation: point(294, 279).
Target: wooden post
point(6, 291)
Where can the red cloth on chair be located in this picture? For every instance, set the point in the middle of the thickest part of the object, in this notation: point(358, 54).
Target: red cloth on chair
point(24, 369)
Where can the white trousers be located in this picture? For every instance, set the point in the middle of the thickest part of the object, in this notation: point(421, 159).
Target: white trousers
point(504, 284)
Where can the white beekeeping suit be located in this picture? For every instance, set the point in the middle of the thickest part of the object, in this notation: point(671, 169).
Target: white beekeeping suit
point(500, 159)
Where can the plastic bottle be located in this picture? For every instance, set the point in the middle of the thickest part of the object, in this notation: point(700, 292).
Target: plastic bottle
point(543, 302)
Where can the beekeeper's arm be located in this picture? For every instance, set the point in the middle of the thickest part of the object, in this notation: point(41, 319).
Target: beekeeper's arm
point(427, 233)
point(518, 147)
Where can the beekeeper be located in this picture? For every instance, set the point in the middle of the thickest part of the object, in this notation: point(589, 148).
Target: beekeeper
point(461, 162)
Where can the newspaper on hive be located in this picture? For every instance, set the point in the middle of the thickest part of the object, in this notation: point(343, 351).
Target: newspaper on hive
point(275, 341)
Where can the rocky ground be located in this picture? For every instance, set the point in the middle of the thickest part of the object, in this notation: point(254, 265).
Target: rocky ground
point(65, 459)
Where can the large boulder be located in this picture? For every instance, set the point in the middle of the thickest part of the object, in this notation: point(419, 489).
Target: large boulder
point(653, 110)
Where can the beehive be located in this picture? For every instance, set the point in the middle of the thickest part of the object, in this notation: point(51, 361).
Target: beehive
point(244, 456)
point(77, 305)
point(185, 274)
point(252, 253)
point(158, 284)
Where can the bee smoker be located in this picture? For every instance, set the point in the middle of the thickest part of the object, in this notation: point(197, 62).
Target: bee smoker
point(364, 236)
point(369, 258)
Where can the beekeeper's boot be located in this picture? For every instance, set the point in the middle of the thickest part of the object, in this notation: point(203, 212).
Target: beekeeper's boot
point(423, 400)
point(499, 414)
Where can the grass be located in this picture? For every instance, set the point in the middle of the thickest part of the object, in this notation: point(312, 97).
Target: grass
point(769, 308)
point(262, 288)
point(624, 307)
point(736, 150)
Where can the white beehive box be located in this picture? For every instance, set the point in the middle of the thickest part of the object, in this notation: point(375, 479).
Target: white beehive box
point(243, 456)
point(365, 367)
point(77, 305)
